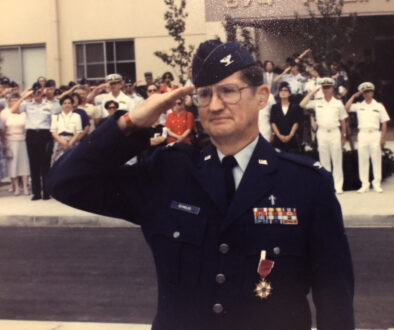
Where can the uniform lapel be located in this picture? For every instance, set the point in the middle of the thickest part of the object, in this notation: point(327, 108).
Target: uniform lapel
point(211, 178)
point(256, 182)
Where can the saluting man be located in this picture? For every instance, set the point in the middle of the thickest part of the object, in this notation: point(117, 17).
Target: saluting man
point(372, 124)
point(240, 233)
point(331, 131)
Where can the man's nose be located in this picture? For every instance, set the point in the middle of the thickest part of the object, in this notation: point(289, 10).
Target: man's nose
point(216, 103)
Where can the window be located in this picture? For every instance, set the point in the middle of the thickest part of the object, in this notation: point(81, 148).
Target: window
point(96, 59)
point(23, 64)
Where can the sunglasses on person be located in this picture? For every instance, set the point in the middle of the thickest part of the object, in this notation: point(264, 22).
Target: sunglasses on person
point(112, 107)
point(153, 90)
point(178, 103)
point(327, 87)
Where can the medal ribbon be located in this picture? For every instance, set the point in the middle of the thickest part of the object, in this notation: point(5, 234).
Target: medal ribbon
point(265, 265)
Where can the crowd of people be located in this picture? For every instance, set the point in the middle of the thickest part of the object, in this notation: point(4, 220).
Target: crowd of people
point(308, 104)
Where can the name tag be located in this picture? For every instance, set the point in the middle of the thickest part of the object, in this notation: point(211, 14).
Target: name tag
point(275, 216)
point(375, 110)
point(185, 207)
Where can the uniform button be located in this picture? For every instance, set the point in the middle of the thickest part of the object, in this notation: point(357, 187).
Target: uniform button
point(277, 250)
point(220, 278)
point(176, 234)
point(224, 248)
point(217, 308)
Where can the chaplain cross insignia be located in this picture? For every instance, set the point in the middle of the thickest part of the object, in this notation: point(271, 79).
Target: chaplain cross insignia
point(272, 198)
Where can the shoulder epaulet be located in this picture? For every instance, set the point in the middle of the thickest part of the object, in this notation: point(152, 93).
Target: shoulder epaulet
point(191, 151)
point(301, 160)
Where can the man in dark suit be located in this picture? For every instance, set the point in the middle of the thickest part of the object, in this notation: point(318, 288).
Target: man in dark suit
point(239, 232)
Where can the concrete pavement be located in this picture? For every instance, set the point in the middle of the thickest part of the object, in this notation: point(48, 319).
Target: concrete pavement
point(370, 209)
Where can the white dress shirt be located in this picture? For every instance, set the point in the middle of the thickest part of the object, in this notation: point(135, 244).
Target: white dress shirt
point(242, 157)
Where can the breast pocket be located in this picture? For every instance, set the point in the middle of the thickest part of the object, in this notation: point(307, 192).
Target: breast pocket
point(177, 240)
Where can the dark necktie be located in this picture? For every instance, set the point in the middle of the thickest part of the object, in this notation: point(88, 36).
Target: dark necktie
point(228, 163)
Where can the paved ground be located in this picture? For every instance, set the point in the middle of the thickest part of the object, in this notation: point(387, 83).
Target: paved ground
point(107, 275)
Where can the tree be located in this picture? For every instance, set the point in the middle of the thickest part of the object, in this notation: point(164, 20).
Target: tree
point(241, 33)
point(326, 31)
point(180, 56)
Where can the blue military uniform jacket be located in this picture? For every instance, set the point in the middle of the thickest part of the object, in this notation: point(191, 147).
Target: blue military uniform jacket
point(206, 253)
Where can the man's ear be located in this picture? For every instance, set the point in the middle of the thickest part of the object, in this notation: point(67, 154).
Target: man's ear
point(263, 93)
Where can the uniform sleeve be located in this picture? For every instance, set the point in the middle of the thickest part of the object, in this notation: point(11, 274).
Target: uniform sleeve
point(54, 123)
point(92, 176)
point(23, 106)
point(56, 107)
point(383, 114)
point(342, 111)
point(354, 107)
point(331, 265)
point(311, 105)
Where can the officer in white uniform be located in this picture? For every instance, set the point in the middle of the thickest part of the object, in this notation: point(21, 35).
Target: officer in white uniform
point(372, 124)
point(330, 115)
point(125, 102)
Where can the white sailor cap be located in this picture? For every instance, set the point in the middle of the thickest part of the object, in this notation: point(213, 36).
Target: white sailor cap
point(327, 81)
point(366, 86)
point(113, 78)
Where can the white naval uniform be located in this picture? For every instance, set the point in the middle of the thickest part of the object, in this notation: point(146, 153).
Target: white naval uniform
point(328, 117)
point(369, 117)
point(310, 86)
point(125, 102)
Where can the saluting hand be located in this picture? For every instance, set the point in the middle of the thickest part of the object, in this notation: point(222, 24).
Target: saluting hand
point(147, 113)
point(357, 94)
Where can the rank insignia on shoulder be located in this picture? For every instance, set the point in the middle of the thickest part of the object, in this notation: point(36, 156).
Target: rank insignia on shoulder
point(185, 207)
point(317, 164)
point(275, 216)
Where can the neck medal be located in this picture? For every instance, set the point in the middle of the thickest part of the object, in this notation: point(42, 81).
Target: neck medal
point(263, 288)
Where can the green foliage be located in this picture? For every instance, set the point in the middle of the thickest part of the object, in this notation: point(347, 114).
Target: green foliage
point(180, 56)
point(325, 31)
point(240, 33)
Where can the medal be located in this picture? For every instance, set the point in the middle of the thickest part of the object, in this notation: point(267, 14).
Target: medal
point(263, 288)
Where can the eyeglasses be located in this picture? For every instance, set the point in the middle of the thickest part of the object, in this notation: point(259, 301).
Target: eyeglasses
point(112, 107)
point(152, 90)
point(229, 94)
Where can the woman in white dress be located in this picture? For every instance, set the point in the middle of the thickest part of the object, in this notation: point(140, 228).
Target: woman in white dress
point(66, 128)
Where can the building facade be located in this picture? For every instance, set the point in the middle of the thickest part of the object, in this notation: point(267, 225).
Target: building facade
point(71, 39)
